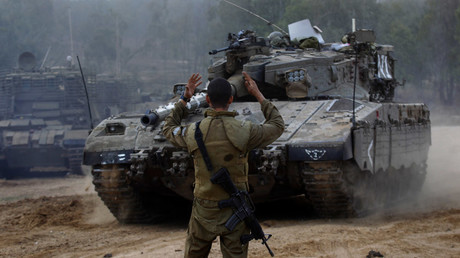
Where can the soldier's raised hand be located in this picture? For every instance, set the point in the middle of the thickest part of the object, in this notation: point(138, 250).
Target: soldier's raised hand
point(252, 88)
point(193, 82)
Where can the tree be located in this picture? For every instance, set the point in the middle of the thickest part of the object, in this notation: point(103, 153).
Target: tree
point(24, 26)
point(104, 30)
point(438, 34)
point(399, 26)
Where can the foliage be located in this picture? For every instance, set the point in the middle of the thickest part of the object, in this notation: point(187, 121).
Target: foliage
point(18, 28)
point(169, 39)
point(438, 37)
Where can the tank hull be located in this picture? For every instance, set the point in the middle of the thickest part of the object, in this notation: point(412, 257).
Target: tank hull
point(40, 151)
point(321, 155)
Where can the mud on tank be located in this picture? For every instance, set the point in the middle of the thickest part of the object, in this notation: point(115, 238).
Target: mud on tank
point(347, 147)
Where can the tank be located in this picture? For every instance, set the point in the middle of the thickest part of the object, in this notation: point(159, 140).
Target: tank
point(44, 119)
point(347, 147)
point(44, 114)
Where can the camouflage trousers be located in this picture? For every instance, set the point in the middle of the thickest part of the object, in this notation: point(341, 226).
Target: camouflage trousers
point(207, 222)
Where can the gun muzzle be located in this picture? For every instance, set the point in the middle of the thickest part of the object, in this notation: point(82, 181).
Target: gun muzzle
point(149, 119)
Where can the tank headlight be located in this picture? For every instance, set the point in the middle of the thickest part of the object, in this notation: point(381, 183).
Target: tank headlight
point(179, 89)
point(115, 129)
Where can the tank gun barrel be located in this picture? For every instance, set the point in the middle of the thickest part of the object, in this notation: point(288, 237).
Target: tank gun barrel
point(150, 118)
point(153, 117)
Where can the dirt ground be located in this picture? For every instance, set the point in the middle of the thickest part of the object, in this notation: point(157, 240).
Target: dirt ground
point(63, 217)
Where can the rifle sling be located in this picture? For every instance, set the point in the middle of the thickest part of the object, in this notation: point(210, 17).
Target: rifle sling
point(202, 147)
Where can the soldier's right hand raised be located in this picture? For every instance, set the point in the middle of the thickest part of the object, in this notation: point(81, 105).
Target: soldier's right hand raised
point(252, 88)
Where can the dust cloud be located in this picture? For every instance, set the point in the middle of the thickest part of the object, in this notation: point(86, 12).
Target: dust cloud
point(96, 213)
point(31, 188)
point(441, 189)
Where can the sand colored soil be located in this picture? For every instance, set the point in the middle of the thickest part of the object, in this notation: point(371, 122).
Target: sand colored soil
point(64, 217)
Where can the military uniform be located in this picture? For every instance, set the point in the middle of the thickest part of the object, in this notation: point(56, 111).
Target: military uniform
point(228, 142)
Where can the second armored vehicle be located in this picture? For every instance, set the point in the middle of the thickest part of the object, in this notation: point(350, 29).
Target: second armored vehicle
point(43, 119)
point(44, 115)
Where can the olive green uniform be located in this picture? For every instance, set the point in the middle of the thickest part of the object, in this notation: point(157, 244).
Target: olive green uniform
point(228, 142)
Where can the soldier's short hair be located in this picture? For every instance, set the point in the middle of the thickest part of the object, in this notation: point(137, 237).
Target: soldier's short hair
point(219, 92)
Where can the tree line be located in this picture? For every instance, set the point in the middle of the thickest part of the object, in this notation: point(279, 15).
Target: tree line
point(167, 40)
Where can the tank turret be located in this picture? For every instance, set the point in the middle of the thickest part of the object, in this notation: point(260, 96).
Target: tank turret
point(294, 73)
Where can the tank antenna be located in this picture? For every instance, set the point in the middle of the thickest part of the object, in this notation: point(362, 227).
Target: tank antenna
point(71, 36)
point(86, 91)
point(353, 119)
point(44, 59)
point(256, 15)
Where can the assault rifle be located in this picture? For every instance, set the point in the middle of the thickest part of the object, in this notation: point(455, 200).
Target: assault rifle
point(243, 209)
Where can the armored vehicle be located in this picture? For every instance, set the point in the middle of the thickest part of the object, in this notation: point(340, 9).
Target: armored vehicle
point(43, 119)
point(347, 147)
point(44, 114)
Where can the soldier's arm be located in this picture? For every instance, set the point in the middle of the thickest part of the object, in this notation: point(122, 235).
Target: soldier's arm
point(172, 129)
point(262, 135)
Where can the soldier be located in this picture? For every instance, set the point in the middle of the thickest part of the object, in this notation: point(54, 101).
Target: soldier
point(228, 142)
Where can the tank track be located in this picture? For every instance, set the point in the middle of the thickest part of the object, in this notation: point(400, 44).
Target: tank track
point(75, 160)
point(325, 188)
point(3, 168)
point(342, 190)
point(112, 186)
